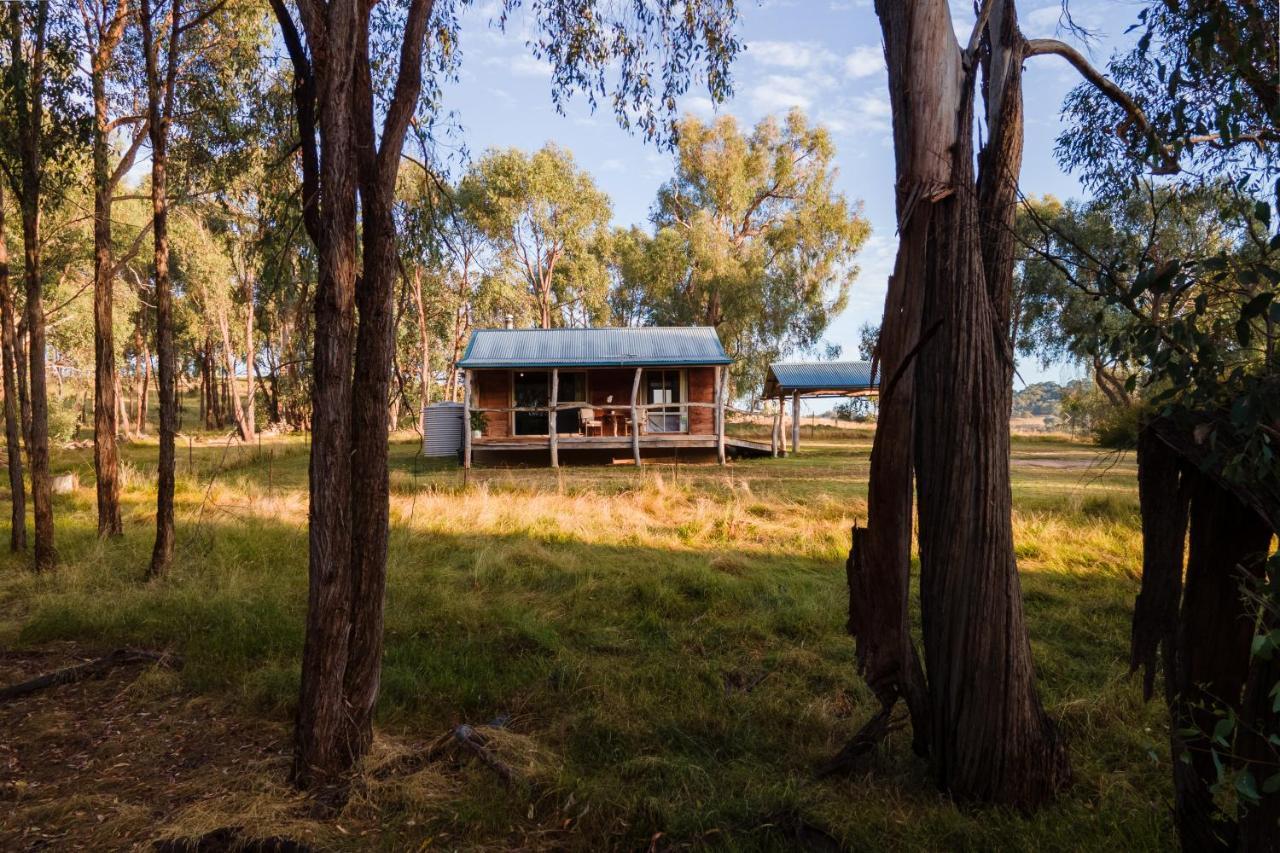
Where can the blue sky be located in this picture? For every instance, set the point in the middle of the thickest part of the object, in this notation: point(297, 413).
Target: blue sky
point(821, 55)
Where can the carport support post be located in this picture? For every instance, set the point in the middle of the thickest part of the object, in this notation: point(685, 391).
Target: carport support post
point(553, 428)
point(466, 419)
point(773, 435)
point(721, 388)
point(782, 423)
point(795, 422)
point(635, 418)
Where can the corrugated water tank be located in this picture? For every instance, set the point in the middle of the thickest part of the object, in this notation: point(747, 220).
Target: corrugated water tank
point(442, 429)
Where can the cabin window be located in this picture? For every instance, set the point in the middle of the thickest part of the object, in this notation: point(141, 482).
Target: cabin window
point(532, 388)
point(664, 389)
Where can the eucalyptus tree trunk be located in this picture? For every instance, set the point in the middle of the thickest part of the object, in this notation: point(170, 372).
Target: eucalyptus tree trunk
point(160, 97)
point(250, 356)
point(12, 417)
point(340, 155)
point(241, 411)
point(27, 84)
point(104, 29)
point(424, 339)
point(947, 385)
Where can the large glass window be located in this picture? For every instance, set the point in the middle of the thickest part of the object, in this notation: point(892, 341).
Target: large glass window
point(663, 390)
point(533, 388)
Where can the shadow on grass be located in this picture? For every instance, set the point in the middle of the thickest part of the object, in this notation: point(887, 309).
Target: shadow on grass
point(687, 691)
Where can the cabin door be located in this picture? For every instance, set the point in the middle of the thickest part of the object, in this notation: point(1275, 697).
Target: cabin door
point(664, 389)
point(531, 388)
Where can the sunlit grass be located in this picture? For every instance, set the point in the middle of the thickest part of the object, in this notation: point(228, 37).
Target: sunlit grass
point(669, 641)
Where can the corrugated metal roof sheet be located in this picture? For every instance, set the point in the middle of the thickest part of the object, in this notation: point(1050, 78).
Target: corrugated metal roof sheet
point(645, 345)
point(837, 376)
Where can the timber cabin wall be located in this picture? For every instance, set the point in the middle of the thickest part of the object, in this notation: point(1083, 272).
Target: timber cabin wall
point(491, 389)
point(702, 389)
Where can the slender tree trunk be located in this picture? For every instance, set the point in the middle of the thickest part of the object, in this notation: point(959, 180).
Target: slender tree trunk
point(38, 448)
point(342, 655)
point(159, 109)
point(323, 751)
point(424, 337)
point(12, 417)
point(106, 459)
point(143, 373)
point(243, 426)
point(124, 410)
point(28, 108)
point(250, 359)
point(24, 385)
point(202, 364)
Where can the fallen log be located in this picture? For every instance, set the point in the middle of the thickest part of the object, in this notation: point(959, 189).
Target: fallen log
point(90, 669)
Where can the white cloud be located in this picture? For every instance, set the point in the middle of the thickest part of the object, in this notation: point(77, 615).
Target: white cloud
point(865, 61)
point(868, 112)
point(520, 65)
point(780, 92)
point(613, 164)
point(698, 105)
point(1041, 22)
point(789, 54)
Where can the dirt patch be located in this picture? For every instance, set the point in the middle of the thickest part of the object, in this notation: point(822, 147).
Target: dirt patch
point(1058, 463)
point(131, 761)
point(109, 763)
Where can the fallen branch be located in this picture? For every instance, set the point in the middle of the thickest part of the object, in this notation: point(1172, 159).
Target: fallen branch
point(478, 744)
point(868, 737)
point(84, 671)
point(467, 737)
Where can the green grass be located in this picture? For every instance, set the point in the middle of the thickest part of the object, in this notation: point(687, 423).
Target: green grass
point(616, 616)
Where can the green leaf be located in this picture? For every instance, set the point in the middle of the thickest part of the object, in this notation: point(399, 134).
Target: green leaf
point(1244, 332)
point(1222, 730)
point(1246, 787)
point(1262, 212)
point(1272, 784)
point(1257, 305)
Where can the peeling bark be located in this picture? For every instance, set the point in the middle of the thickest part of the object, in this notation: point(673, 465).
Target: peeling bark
point(946, 394)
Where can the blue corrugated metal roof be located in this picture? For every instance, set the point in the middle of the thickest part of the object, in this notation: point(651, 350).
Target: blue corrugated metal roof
point(836, 376)
point(644, 345)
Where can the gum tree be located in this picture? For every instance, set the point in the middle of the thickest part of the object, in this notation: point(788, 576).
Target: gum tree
point(105, 24)
point(942, 443)
point(42, 124)
point(362, 70)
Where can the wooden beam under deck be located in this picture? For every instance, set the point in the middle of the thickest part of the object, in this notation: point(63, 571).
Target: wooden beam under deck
point(621, 442)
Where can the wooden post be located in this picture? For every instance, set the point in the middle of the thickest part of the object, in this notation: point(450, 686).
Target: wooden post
point(721, 388)
point(635, 418)
point(773, 434)
point(782, 423)
point(552, 427)
point(795, 422)
point(466, 419)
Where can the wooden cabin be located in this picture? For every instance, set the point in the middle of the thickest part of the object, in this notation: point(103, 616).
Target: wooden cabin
point(612, 394)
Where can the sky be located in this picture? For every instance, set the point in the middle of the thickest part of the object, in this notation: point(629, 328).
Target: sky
point(824, 56)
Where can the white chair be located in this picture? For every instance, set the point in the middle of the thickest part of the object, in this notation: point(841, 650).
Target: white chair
point(588, 421)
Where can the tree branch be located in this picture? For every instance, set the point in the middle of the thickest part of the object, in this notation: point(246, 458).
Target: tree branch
point(1040, 47)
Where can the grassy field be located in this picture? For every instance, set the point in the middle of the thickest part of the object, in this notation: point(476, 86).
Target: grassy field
point(665, 650)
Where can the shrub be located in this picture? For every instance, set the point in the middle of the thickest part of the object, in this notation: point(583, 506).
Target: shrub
point(64, 418)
